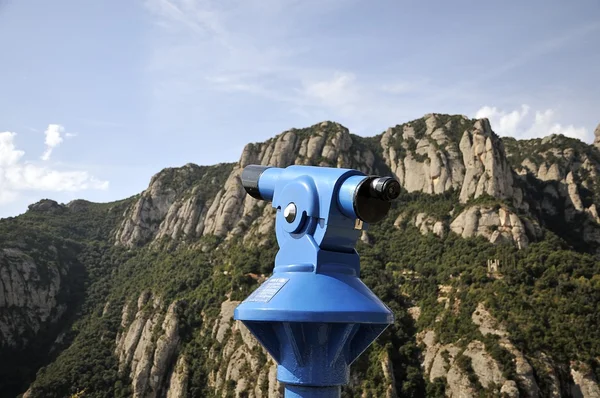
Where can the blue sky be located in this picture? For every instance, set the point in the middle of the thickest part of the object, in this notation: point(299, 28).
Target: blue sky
point(97, 96)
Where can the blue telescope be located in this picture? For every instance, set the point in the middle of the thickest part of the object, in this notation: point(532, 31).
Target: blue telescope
point(314, 315)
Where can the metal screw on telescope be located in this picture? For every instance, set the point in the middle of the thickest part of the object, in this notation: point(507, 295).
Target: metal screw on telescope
point(314, 315)
point(290, 213)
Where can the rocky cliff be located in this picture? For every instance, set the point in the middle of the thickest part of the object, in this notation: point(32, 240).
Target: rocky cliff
point(561, 177)
point(428, 156)
point(172, 210)
point(433, 155)
point(28, 295)
point(597, 136)
point(469, 370)
point(174, 206)
point(163, 279)
point(35, 286)
point(147, 347)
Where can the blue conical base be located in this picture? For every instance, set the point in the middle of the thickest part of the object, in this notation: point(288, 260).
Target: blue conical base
point(315, 354)
point(310, 297)
point(314, 325)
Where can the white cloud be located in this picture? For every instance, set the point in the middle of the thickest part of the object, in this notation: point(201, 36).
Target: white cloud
point(338, 92)
point(504, 123)
point(17, 175)
point(53, 139)
point(520, 123)
point(258, 48)
point(545, 125)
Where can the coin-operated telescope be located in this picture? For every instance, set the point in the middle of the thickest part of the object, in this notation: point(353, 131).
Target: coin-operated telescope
point(314, 315)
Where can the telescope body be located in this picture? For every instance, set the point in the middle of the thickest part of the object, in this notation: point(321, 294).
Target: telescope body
point(314, 315)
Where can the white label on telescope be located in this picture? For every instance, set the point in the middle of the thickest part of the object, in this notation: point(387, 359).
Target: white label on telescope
point(267, 291)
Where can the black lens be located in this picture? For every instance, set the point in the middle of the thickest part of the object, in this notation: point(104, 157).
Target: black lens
point(386, 188)
point(250, 177)
point(373, 197)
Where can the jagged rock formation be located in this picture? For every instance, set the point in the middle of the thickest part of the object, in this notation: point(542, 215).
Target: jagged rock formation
point(173, 206)
point(496, 225)
point(423, 156)
point(248, 374)
point(561, 176)
point(28, 295)
point(585, 382)
point(424, 222)
point(428, 158)
point(444, 361)
point(147, 349)
point(524, 371)
point(487, 170)
point(146, 358)
point(432, 156)
point(498, 189)
point(46, 206)
point(439, 361)
point(388, 373)
point(597, 136)
point(178, 383)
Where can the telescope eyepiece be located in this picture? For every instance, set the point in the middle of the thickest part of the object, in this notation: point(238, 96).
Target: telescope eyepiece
point(385, 188)
point(250, 177)
point(373, 198)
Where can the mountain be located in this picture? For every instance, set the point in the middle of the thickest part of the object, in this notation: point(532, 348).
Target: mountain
point(489, 260)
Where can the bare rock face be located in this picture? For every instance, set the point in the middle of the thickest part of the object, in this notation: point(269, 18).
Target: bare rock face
point(552, 381)
point(425, 223)
point(585, 383)
point(147, 359)
point(510, 389)
point(28, 296)
point(430, 155)
point(428, 224)
point(441, 361)
point(78, 205)
point(567, 171)
point(166, 347)
point(486, 168)
point(229, 206)
point(496, 225)
point(426, 160)
point(388, 373)
point(597, 137)
point(178, 382)
point(225, 319)
point(162, 209)
point(487, 370)
point(549, 172)
point(238, 362)
point(489, 325)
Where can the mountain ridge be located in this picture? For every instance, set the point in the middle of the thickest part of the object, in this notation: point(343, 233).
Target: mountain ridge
point(163, 272)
